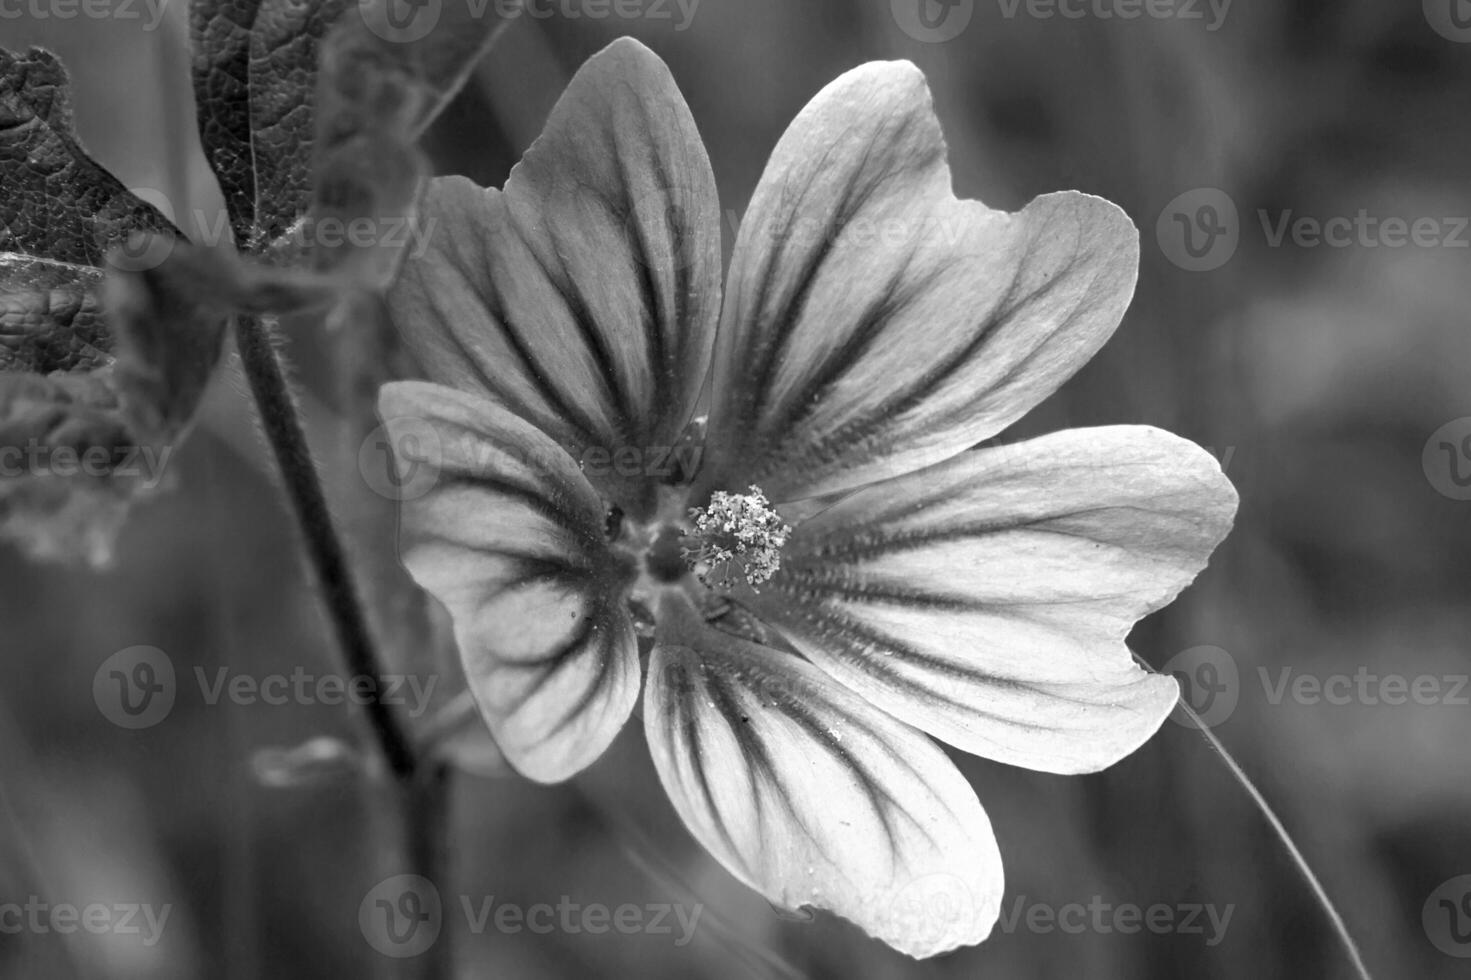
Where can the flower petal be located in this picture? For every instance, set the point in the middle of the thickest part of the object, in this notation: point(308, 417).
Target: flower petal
point(875, 324)
point(584, 297)
point(504, 530)
point(813, 797)
point(986, 600)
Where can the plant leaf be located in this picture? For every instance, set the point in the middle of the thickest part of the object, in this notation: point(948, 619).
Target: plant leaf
point(60, 216)
point(59, 203)
point(50, 317)
point(254, 65)
point(265, 115)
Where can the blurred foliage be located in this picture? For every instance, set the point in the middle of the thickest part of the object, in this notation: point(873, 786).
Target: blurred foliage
point(1323, 372)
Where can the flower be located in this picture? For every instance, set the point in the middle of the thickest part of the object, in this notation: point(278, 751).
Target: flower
point(835, 574)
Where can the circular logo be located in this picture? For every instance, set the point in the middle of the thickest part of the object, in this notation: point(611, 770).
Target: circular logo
point(933, 907)
point(1446, 917)
point(135, 688)
point(401, 459)
point(401, 21)
point(1199, 230)
point(401, 916)
point(1451, 19)
point(1446, 459)
point(1209, 683)
point(933, 21)
point(125, 232)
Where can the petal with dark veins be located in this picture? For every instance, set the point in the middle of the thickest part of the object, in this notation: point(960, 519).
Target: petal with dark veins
point(874, 323)
point(509, 537)
point(813, 797)
point(583, 297)
point(987, 600)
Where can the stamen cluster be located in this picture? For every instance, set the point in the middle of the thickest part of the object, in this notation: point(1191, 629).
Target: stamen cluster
point(737, 537)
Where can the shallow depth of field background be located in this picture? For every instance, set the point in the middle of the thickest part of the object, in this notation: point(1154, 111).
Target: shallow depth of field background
point(1317, 373)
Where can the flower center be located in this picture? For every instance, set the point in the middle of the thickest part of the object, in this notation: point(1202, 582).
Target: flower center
point(737, 538)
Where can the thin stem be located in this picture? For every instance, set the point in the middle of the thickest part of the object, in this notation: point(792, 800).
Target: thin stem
point(427, 803)
point(267, 377)
point(1339, 926)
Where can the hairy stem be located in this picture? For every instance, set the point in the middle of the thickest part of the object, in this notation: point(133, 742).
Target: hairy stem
point(282, 423)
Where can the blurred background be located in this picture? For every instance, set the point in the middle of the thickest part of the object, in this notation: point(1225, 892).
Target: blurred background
point(1328, 372)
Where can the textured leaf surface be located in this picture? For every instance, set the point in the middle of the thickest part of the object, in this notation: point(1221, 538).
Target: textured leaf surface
point(60, 214)
point(255, 65)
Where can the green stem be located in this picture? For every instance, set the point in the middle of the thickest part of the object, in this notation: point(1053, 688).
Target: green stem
point(256, 338)
point(1319, 892)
